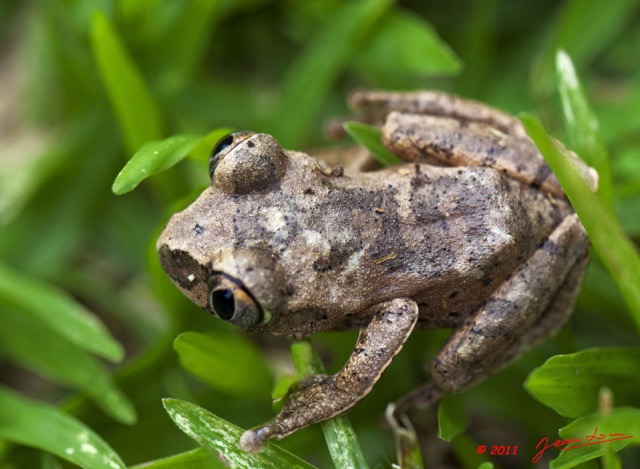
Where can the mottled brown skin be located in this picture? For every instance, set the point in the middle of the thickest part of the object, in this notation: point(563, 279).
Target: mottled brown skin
point(473, 233)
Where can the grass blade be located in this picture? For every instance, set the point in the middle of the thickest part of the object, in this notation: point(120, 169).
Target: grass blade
point(213, 433)
point(198, 458)
point(369, 137)
point(206, 356)
point(451, 417)
point(45, 427)
point(341, 439)
point(62, 362)
point(137, 113)
point(151, 159)
point(58, 311)
point(308, 82)
point(582, 124)
point(618, 254)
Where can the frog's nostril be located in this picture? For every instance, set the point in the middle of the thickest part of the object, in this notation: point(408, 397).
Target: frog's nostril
point(223, 303)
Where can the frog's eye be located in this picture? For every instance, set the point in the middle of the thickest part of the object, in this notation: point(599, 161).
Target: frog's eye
point(243, 162)
point(224, 146)
point(231, 302)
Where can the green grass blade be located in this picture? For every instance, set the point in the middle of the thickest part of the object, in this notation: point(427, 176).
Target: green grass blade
point(58, 311)
point(451, 417)
point(198, 458)
point(59, 360)
point(618, 254)
point(213, 433)
point(45, 427)
point(584, 29)
point(341, 439)
point(623, 420)
point(570, 384)
point(180, 51)
point(582, 124)
point(207, 356)
point(153, 158)
point(369, 137)
point(135, 109)
point(308, 82)
point(202, 151)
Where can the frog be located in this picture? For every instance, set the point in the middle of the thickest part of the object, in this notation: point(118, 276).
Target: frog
point(471, 231)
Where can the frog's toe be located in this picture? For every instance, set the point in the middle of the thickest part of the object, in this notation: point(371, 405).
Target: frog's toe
point(252, 441)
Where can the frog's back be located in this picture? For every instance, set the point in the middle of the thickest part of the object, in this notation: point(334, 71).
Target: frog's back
point(461, 232)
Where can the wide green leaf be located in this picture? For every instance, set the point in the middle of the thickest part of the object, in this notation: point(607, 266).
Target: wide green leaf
point(137, 113)
point(56, 358)
point(617, 252)
point(45, 427)
point(582, 124)
point(405, 45)
point(369, 137)
point(59, 311)
point(308, 81)
point(570, 384)
point(341, 439)
point(227, 362)
point(153, 158)
point(597, 435)
point(213, 433)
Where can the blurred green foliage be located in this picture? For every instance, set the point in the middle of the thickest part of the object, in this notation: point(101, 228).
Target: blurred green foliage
point(86, 83)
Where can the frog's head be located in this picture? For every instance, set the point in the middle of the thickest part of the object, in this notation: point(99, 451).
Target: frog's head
point(214, 251)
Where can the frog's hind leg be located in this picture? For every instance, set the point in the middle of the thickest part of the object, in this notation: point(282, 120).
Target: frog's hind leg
point(526, 309)
point(430, 125)
point(377, 104)
point(416, 137)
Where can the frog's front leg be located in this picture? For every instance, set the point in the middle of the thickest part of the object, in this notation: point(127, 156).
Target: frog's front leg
point(319, 398)
point(528, 307)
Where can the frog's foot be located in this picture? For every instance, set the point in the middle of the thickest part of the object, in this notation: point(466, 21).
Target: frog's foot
point(526, 309)
point(318, 397)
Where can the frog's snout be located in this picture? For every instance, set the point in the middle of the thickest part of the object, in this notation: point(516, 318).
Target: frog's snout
point(185, 273)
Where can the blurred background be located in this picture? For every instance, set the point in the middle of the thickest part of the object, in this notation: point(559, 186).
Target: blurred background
point(85, 83)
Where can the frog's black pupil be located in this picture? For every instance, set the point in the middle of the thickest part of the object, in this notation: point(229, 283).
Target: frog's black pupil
point(222, 145)
point(223, 304)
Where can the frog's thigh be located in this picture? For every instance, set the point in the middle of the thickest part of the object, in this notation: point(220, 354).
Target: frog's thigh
point(418, 138)
point(555, 316)
point(436, 103)
point(318, 398)
point(527, 307)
